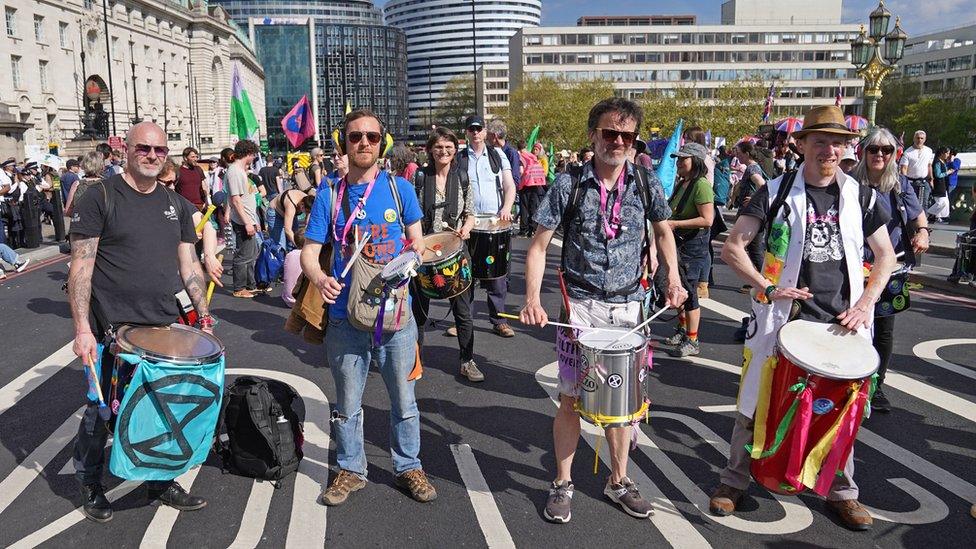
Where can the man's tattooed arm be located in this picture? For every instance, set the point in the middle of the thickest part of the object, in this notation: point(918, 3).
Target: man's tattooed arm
point(193, 278)
point(83, 250)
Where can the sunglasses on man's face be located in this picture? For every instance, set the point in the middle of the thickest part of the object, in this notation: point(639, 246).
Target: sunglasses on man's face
point(610, 136)
point(357, 137)
point(475, 129)
point(886, 150)
point(144, 150)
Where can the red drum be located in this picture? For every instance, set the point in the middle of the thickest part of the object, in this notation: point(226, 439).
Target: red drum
point(813, 396)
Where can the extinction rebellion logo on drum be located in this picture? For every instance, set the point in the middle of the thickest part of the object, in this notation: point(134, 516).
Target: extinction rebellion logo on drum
point(164, 444)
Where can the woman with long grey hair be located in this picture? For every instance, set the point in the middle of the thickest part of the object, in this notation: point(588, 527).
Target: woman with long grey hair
point(908, 229)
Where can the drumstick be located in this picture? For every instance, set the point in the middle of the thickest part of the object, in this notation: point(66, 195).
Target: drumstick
point(210, 287)
point(206, 216)
point(562, 325)
point(103, 410)
point(638, 327)
point(355, 256)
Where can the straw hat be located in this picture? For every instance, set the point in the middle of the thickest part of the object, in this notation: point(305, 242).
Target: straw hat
point(828, 119)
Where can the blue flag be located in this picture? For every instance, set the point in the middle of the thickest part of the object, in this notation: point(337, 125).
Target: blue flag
point(667, 169)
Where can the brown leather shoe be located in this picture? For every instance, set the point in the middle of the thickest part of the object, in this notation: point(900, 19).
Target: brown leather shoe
point(852, 514)
point(504, 330)
point(416, 484)
point(724, 500)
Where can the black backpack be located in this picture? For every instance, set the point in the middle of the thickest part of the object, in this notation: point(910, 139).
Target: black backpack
point(260, 428)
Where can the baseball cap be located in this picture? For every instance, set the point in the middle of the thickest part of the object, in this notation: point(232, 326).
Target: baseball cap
point(474, 121)
point(691, 149)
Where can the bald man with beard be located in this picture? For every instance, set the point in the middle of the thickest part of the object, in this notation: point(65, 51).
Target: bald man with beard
point(125, 252)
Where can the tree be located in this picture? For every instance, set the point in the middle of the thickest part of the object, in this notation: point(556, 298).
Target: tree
point(731, 111)
point(896, 94)
point(456, 103)
point(559, 106)
point(947, 121)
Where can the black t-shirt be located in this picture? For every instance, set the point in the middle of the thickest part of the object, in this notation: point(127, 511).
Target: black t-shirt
point(269, 175)
point(823, 270)
point(136, 267)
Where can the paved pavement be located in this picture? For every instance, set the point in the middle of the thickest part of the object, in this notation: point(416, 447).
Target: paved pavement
point(488, 446)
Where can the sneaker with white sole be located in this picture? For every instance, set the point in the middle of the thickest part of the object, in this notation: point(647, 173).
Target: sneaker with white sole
point(686, 348)
point(628, 497)
point(559, 502)
point(679, 335)
point(469, 369)
point(22, 265)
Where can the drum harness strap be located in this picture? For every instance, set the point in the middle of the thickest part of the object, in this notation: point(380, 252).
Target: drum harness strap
point(426, 186)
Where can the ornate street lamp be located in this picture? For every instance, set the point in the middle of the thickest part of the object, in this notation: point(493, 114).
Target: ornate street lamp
point(876, 55)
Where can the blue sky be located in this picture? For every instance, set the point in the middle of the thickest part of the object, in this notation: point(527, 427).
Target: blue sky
point(917, 17)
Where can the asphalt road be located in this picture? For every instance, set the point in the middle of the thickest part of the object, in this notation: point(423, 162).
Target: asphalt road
point(487, 446)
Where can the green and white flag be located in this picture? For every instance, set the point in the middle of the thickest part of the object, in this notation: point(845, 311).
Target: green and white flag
point(243, 123)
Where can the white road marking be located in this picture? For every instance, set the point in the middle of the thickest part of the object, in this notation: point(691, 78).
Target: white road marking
point(34, 377)
point(255, 516)
point(307, 525)
point(918, 389)
point(67, 521)
point(27, 470)
point(158, 532)
point(929, 352)
point(719, 409)
point(930, 508)
point(672, 524)
point(797, 515)
point(485, 510)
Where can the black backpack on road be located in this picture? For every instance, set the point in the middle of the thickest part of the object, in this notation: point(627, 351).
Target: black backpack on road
point(261, 428)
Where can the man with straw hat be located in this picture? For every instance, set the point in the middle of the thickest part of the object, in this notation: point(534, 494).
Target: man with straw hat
point(819, 221)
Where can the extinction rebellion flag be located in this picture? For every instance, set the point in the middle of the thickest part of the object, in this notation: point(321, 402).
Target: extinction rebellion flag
point(299, 124)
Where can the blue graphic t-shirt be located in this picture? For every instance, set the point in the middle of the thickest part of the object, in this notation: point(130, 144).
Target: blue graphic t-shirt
point(379, 218)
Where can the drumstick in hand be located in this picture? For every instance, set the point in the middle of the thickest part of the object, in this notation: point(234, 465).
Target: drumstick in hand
point(210, 287)
point(355, 256)
point(638, 327)
point(103, 410)
point(562, 325)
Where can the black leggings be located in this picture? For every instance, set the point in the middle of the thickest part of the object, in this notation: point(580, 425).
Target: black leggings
point(884, 338)
point(460, 307)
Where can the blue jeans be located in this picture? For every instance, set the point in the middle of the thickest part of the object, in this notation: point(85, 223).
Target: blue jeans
point(8, 255)
point(276, 227)
point(350, 352)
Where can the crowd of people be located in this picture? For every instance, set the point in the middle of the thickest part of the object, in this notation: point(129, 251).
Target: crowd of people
point(342, 221)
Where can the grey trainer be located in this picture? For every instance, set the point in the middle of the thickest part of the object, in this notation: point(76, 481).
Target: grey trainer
point(677, 338)
point(559, 502)
point(686, 348)
point(470, 370)
point(626, 495)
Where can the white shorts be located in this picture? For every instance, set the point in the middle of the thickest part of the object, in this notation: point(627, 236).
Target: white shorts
point(588, 312)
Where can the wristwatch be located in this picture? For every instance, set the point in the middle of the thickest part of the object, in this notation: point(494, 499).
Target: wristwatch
point(768, 292)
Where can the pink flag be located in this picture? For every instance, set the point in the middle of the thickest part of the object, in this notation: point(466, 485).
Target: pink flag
point(299, 124)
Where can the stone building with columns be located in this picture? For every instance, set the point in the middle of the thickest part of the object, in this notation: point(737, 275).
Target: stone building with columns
point(169, 61)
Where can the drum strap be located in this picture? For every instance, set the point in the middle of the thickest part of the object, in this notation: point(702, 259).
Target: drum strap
point(898, 208)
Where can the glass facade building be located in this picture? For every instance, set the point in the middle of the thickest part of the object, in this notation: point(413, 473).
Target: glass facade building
point(337, 52)
point(281, 48)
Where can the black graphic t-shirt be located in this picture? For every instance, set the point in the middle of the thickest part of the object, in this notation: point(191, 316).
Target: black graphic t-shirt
point(823, 270)
point(136, 266)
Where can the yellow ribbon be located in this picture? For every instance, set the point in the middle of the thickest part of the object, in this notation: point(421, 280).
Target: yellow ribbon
point(816, 457)
point(762, 407)
point(601, 420)
point(746, 361)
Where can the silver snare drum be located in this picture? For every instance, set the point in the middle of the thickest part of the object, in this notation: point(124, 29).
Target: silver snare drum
point(612, 379)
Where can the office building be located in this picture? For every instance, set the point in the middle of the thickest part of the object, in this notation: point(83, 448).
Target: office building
point(337, 52)
point(492, 83)
point(808, 61)
point(171, 62)
point(943, 62)
point(445, 40)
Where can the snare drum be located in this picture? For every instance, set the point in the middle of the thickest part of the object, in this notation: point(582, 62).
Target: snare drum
point(446, 269)
point(612, 379)
point(820, 383)
point(491, 247)
point(169, 411)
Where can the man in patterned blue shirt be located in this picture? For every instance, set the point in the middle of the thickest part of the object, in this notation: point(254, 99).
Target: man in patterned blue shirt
point(604, 243)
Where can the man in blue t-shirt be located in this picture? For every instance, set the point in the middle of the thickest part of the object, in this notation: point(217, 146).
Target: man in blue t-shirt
point(367, 194)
